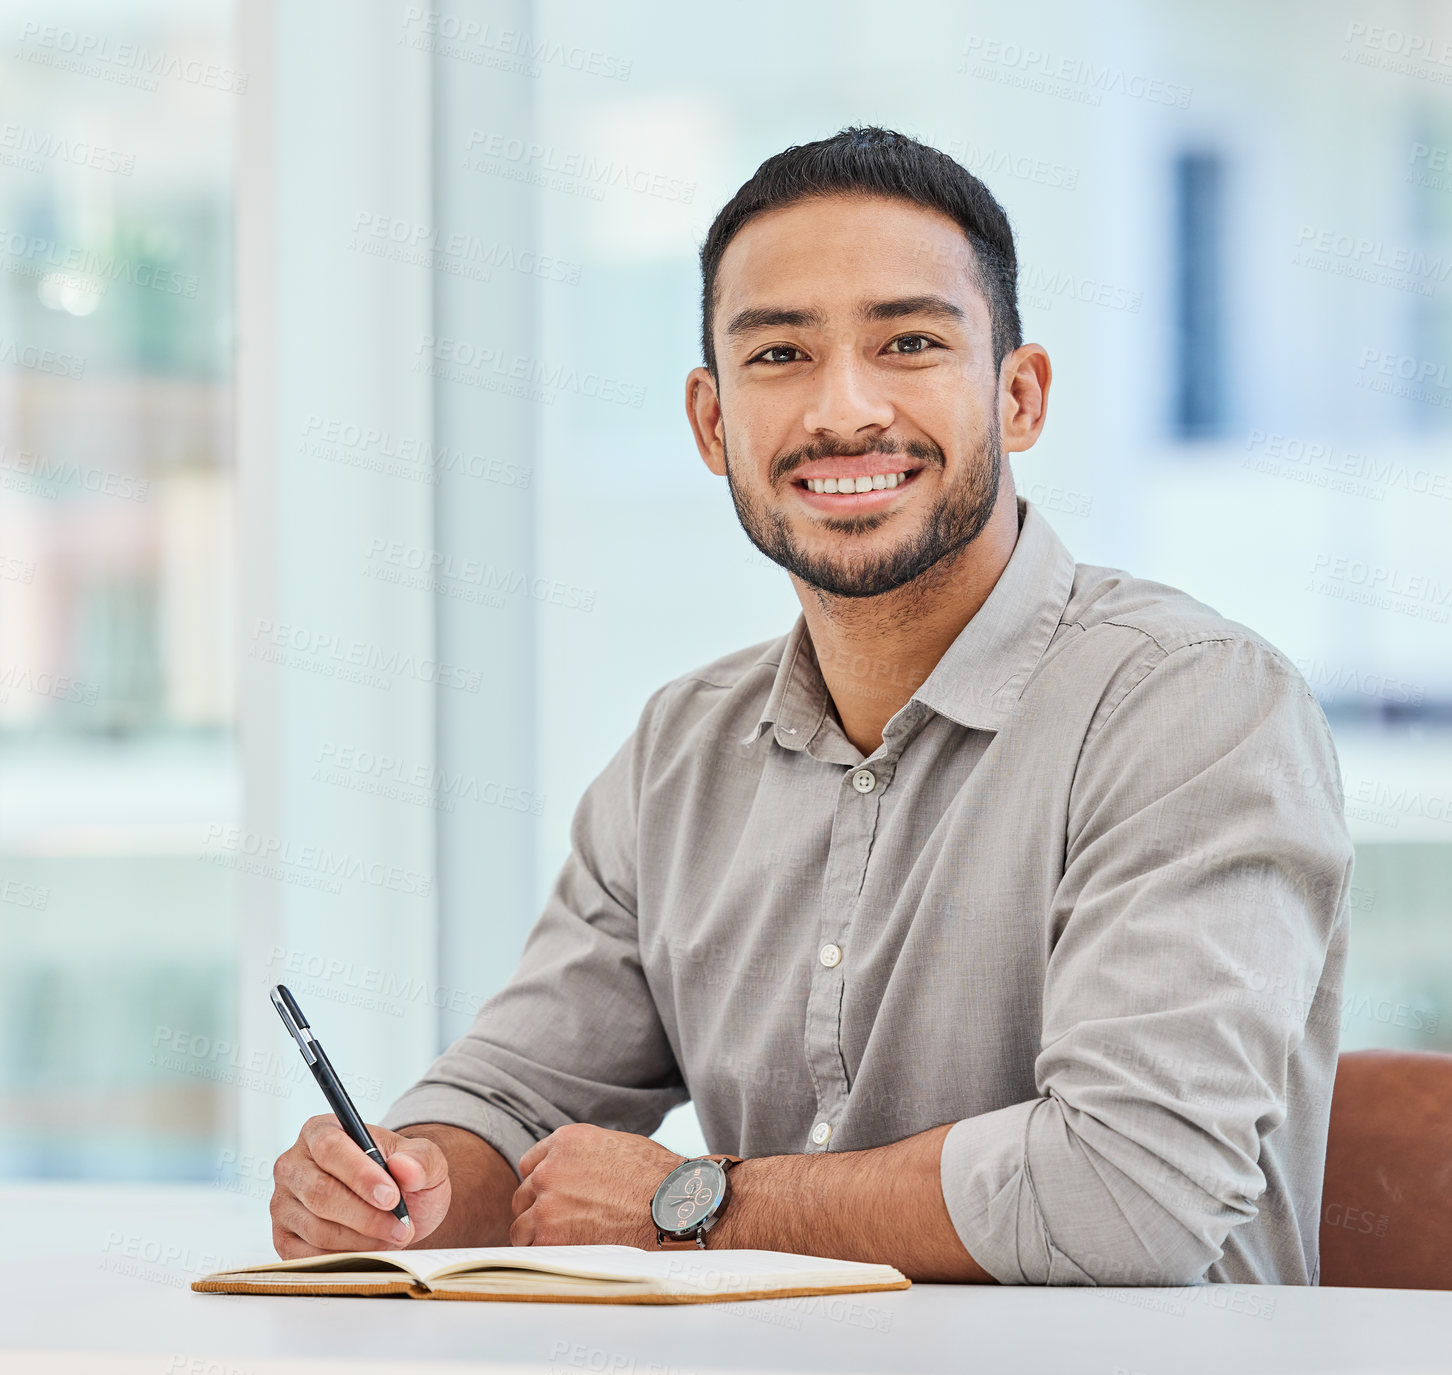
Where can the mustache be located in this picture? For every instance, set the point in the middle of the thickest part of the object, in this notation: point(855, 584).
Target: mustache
point(786, 464)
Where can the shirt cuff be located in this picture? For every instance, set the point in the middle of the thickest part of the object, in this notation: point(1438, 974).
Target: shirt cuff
point(1088, 1218)
point(456, 1108)
point(984, 1173)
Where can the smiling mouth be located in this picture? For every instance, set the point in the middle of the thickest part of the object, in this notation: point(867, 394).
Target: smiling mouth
point(877, 482)
point(861, 493)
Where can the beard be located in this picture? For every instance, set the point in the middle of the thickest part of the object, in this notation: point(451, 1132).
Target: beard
point(956, 519)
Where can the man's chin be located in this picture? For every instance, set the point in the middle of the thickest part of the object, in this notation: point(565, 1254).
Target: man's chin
point(842, 579)
point(853, 556)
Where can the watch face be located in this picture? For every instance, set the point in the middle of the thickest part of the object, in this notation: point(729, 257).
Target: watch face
point(688, 1195)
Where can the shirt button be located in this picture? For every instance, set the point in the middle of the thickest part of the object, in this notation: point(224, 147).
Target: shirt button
point(830, 955)
point(821, 1132)
point(864, 780)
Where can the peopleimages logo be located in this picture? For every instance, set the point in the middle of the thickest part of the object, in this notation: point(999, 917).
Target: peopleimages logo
point(1417, 55)
point(22, 146)
point(473, 580)
point(1078, 79)
point(503, 49)
point(389, 776)
point(42, 360)
point(457, 252)
point(367, 986)
point(331, 655)
point(1321, 464)
point(1001, 162)
point(38, 474)
point(1435, 167)
point(1383, 586)
point(124, 64)
point(1405, 377)
point(19, 894)
point(1346, 679)
point(1039, 287)
point(169, 1263)
point(545, 164)
point(16, 677)
point(315, 866)
point(378, 449)
point(460, 360)
point(1371, 260)
point(34, 255)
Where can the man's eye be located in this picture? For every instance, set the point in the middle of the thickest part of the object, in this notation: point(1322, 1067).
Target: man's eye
point(765, 355)
point(910, 339)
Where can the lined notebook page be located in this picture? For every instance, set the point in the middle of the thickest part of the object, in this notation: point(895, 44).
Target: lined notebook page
point(593, 1262)
point(629, 1262)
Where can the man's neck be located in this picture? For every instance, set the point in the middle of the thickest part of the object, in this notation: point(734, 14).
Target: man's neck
point(875, 651)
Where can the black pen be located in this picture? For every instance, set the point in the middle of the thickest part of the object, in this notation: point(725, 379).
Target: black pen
point(332, 1087)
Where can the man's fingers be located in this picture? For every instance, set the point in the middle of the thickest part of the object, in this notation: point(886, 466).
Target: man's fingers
point(331, 1197)
point(330, 1200)
point(288, 1245)
point(523, 1199)
point(317, 1234)
point(415, 1162)
point(535, 1154)
point(334, 1151)
point(298, 1214)
point(521, 1230)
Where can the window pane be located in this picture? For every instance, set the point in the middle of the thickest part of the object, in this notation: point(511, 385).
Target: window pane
point(116, 711)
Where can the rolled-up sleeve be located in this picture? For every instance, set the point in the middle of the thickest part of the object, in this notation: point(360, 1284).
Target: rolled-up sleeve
point(1206, 877)
point(574, 1036)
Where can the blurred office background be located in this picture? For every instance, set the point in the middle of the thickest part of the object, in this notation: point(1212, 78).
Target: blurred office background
point(348, 511)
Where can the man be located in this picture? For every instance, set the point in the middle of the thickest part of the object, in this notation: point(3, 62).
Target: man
point(996, 914)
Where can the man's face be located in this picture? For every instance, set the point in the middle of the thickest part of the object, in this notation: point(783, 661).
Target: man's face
point(853, 344)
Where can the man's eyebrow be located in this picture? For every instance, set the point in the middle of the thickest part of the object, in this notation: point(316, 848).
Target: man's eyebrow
point(936, 306)
point(755, 318)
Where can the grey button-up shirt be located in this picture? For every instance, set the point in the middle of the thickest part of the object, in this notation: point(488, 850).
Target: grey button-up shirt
point(1087, 901)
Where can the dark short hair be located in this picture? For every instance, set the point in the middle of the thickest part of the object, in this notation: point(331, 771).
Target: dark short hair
point(870, 161)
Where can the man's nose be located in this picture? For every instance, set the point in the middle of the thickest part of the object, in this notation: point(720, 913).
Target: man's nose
point(847, 399)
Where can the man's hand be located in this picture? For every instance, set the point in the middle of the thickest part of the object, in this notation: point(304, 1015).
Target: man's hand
point(586, 1185)
point(328, 1196)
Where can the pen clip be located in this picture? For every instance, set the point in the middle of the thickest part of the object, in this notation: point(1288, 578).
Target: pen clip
point(294, 1021)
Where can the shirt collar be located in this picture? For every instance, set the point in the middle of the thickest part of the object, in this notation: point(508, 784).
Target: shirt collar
point(797, 702)
point(979, 680)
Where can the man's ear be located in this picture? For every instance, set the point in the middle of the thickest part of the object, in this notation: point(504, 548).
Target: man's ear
point(1024, 397)
point(703, 410)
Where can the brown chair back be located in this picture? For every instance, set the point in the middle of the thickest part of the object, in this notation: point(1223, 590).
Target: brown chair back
point(1386, 1210)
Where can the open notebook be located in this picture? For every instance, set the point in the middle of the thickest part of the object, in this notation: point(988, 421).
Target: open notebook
point(560, 1274)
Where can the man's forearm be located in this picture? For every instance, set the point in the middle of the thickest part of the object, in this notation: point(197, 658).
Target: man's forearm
point(883, 1205)
point(482, 1183)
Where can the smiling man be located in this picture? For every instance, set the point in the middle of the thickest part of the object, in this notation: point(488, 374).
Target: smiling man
point(994, 916)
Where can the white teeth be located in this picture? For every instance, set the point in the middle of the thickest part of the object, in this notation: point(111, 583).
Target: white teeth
point(876, 483)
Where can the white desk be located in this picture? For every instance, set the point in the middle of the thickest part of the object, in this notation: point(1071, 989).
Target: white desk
point(104, 1288)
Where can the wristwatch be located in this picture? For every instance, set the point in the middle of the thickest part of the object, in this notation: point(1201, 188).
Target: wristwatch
point(690, 1201)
